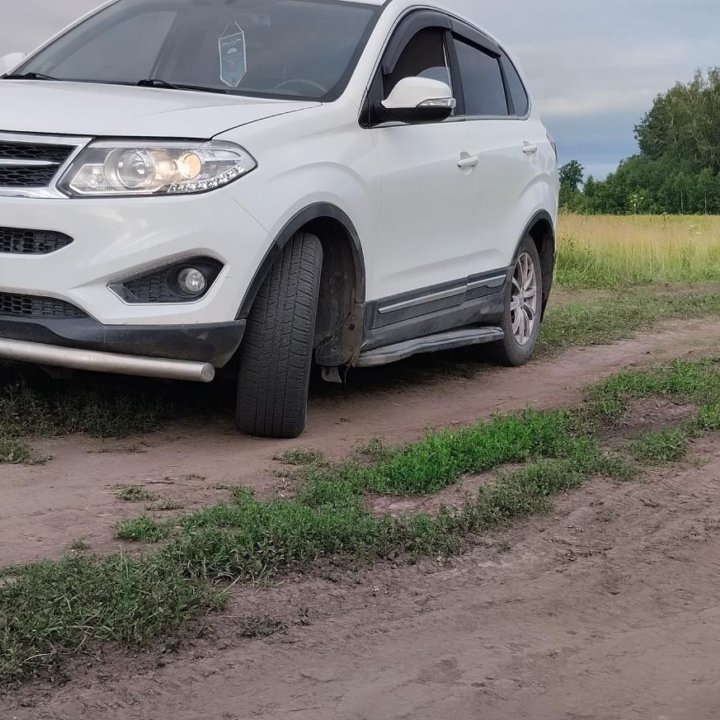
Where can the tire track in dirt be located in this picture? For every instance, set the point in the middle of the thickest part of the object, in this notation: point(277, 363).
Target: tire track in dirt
point(45, 508)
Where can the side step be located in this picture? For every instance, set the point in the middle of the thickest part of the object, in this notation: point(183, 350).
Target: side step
point(432, 343)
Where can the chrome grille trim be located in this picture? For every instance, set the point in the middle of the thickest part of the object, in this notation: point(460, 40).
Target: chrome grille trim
point(48, 191)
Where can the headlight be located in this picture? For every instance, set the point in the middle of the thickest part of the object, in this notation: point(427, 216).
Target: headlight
point(155, 168)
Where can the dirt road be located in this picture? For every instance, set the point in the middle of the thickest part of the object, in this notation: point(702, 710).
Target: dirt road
point(46, 508)
point(606, 609)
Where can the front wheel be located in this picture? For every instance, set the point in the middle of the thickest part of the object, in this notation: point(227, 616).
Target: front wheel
point(522, 316)
point(276, 352)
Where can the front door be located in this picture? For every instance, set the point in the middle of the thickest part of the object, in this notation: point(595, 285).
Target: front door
point(425, 238)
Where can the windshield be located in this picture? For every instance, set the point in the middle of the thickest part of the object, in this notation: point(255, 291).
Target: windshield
point(298, 49)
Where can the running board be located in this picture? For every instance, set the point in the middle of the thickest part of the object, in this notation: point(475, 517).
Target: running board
point(432, 343)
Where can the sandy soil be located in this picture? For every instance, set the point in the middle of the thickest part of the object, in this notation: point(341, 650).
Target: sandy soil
point(46, 508)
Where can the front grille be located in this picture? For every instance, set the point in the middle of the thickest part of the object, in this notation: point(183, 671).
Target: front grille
point(40, 307)
point(31, 242)
point(18, 168)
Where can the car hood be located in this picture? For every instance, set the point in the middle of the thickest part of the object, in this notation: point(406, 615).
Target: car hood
point(67, 108)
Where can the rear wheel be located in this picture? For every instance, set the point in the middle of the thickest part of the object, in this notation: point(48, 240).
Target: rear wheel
point(276, 352)
point(523, 308)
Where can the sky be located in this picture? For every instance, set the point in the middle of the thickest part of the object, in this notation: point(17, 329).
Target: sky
point(593, 68)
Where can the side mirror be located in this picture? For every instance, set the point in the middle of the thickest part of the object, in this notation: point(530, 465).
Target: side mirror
point(418, 99)
point(9, 62)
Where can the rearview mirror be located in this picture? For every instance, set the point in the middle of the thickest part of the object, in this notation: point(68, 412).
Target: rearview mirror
point(419, 99)
point(9, 62)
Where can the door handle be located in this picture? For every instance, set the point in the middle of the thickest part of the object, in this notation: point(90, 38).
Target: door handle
point(468, 161)
point(529, 148)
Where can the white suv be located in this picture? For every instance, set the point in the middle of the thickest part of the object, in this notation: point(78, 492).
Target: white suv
point(188, 185)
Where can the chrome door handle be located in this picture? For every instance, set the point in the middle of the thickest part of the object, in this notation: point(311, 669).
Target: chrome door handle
point(468, 161)
point(529, 148)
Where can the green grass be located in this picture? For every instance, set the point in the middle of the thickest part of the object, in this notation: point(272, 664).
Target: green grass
point(603, 320)
point(661, 446)
point(142, 529)
point(53, 611)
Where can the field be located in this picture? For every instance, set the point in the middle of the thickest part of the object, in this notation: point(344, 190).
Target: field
point(448, 538)
point(616, 252)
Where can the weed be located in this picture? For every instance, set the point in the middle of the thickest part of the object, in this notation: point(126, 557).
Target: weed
point(165, 506)
point(302, 457)
point(79, 545)
point(374, 450)
point(14, 451)
point(259, 626)
point(132, 494)
point(661, 447)
point(142, 529)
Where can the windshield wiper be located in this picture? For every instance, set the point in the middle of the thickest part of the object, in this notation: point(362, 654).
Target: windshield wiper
point(28, 76)
point(165, 85)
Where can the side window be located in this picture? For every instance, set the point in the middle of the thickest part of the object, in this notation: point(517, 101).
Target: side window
point(424, 56)
point(482, 81)
point(518, 93)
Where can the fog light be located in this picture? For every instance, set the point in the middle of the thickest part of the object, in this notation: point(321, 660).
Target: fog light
point(192, 281)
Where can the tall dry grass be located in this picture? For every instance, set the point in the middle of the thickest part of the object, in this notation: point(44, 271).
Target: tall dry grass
point(616, 251)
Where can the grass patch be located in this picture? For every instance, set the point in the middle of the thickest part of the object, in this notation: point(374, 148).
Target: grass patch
point(300, 457)
point(142, 529)
point(50, 612)
point(14, 451)
point(55, 610)
point(608, 319)
point(615, 252)
point(661, 447)
point(442, 458)
point(133, 494)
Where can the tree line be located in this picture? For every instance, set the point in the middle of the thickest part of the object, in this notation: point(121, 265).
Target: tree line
point(677, 169)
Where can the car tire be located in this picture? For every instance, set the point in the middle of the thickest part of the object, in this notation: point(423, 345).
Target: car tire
point(276, 352)
point(522, 316)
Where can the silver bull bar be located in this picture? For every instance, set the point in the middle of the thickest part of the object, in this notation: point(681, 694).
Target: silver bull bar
point(103, 362)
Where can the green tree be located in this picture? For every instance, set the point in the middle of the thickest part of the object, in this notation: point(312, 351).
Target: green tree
point(678, 167)
point(571, 180)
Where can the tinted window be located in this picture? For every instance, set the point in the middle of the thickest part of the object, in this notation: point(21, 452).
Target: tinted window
point(424, 56)
point(517, 89)
point(482, 81)
point(275, 48)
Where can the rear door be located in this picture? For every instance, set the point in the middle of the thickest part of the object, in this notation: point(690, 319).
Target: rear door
point(502, 145)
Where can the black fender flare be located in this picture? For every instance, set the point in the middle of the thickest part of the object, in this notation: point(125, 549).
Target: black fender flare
point(534, 220)
point(316, 211)
point(548, 269)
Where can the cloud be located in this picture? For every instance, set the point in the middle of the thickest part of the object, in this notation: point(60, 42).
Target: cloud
point(588, 64)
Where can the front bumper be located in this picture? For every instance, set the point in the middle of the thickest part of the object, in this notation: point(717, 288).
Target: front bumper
point(214, 343)
point(114, 239)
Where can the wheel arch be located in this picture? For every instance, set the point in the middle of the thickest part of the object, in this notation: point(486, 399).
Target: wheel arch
point(343, 284)
point(541, 229)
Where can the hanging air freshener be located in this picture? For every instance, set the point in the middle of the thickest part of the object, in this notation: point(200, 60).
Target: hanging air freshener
point(233, 55)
